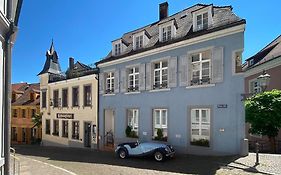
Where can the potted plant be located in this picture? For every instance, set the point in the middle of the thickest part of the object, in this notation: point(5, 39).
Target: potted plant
point(200, 142)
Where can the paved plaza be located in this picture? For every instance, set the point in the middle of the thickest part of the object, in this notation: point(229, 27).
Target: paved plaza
point(69, 161)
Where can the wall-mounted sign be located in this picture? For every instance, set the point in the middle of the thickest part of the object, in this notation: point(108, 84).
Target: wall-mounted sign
point(222, 105)
point(65, 115)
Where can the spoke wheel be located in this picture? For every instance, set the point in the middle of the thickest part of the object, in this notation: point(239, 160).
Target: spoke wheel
point(158, 156)
point(122, 154)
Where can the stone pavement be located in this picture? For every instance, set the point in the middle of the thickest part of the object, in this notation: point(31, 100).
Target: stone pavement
point(29, 166)
point(87, 162)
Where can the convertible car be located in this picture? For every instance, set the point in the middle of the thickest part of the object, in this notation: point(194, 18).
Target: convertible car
point(135, 149)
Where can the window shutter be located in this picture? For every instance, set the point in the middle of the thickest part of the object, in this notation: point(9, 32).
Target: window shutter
point(217, 65)
point(142, 77)
point(101, 83)
point(123, 81)
point(189, 69)
point(148, 76)
point(183, 70)
point(116, 81)
point(172, 72)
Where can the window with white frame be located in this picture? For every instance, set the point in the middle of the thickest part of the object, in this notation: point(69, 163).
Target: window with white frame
point(133, 79)
point(201, 68)
point(200, 126)
point(254, 86)
point(166, 33)
point(109, 82)
point(139, 42)
point(202, 21)
point(160, 118)
point(117, 49)
point(160, 75)
point(133, 117)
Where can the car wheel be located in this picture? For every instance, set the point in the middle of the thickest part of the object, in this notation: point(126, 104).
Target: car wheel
point(122, 153)
point(158, 156)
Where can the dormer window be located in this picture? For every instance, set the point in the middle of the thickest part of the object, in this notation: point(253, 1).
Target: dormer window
point(202, 21)
point(139, 41)
point(202, 18)
point(166, 33)
point(117, 48)
point(251, 62)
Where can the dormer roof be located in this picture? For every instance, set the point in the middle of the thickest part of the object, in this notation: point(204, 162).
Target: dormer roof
point(223, 17)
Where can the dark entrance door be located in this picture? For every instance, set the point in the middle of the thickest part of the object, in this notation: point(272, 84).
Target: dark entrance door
point(87, 134)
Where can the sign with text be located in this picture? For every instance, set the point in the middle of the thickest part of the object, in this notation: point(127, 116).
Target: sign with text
point(222, 105)
point(65, 115)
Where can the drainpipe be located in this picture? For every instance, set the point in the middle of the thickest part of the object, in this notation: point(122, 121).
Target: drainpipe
point(7, 81)
point(98, 113)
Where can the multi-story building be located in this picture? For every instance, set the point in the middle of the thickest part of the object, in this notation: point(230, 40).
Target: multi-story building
point(267, 59)
point(68, 103)
point(177, 80)
point(25, 105)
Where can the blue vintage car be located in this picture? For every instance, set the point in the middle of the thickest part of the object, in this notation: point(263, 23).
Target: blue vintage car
point(135, 149)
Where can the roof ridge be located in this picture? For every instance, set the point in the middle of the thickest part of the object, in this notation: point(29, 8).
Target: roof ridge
point(165, 18)
point(265, 47)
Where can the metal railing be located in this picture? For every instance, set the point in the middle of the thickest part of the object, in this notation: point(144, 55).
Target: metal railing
point(15, 163)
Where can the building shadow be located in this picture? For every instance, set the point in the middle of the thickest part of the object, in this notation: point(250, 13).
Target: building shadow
point(187, 164)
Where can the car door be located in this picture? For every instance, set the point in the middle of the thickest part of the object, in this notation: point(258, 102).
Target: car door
point(137, 150)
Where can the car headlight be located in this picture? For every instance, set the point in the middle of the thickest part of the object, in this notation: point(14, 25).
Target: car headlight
point(167, 149)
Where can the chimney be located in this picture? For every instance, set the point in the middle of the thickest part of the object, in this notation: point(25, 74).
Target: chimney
point(71, 63)
point(163, 10)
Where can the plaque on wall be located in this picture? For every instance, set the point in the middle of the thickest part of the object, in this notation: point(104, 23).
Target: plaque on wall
point(222, 105)
point(65, 115)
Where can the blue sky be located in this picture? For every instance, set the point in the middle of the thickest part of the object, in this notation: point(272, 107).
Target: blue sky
point(85, 30)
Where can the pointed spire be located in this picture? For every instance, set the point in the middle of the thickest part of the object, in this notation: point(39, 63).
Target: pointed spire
point(52, 48)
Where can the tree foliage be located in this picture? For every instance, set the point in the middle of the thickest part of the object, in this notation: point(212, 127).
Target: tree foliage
point(37, 120)
point(263, 112)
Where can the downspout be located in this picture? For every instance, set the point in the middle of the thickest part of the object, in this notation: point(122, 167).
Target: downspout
point(98, 106)
point(7, 81)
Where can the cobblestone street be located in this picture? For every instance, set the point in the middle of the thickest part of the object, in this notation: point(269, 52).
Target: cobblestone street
point(69, 161)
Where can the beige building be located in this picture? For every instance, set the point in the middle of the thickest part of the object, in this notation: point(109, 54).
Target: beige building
point(69, 103)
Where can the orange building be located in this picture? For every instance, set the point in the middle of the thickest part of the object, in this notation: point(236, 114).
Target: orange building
point(25, 104)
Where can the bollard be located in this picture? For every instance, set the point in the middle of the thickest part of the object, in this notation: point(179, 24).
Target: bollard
point(257, 153)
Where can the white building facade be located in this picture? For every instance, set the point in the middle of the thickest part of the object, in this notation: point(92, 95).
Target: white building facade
point(68, 104)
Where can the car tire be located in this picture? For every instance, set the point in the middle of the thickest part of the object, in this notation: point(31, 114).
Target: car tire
point(159, 156)
point(122, 153)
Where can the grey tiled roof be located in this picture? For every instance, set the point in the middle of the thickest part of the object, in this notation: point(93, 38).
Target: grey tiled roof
point(269, 52)
point(223, 17)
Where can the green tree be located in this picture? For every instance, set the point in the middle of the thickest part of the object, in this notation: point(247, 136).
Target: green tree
point(37, 120)
point(263, 112)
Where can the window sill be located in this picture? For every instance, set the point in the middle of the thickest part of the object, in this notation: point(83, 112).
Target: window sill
point(129, 93)
point(108, 94)
point(160, 90)
point(200, 86)
point(87, 106)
